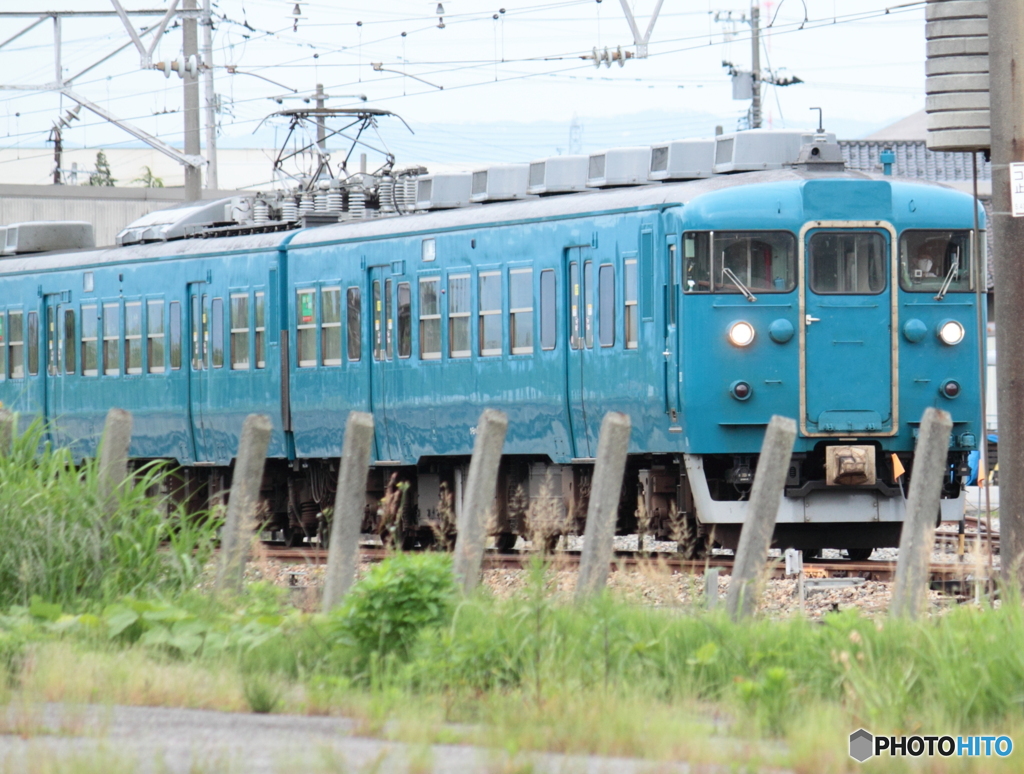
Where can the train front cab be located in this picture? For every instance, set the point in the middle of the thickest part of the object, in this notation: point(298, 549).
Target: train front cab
point(879, 324)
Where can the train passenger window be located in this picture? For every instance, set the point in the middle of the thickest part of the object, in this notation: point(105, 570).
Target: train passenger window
point(355, 328)
point(575, 337)
point(70, 341)
point(378, 329)
point(155, 336)
point(929, 258)
point(763, 261)
point(548, 318)
point(33, 343)
point(520, 310)
point(844, 263)
point(404, 320)
point(16, 335)
point(197, 342)
point(111, 343)
point(261, 332)
point(459, 344)
point(175, 326)
point(389, 321)
point(330, 328)
point(630, 313)
point(588, 301)
point(52, 363)
point(305, 309)
point(3, 346)
point(429, 249)
point(489, 292)
point(90, 359)
point(133, 337)
point(217, 332)
point(239, 331)
point(606, 304)
point(430, 318)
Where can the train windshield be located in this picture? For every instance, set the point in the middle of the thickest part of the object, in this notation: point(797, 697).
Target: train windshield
point(930, 259)
point(728, 261)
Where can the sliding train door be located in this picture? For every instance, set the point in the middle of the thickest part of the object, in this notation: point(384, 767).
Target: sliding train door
point(199, 369)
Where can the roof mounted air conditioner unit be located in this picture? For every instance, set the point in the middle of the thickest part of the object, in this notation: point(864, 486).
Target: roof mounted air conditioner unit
point(43, 236)
point(618, 167)
point(757, 149)
point(682, 160)
point(558, 175)
point(444, 191)
point(500, 183)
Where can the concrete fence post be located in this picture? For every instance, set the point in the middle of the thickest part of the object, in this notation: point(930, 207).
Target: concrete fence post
point(603, 509)
point(6, 432)
point(711, 588)
point(243, 501)
point(763, 508)
point(916, 539)
point(117, 437)
point(349, 505)
point(481, 484)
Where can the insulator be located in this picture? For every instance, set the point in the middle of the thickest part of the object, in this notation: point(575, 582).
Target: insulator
point(399, 195)
point(356, 203)
point(320, 202)
point(335, 199)
point(289, 209)
point(386, 193)
point(306, 204)
point(260, 213)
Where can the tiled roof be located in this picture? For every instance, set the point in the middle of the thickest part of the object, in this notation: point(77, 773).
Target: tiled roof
point(913, 159)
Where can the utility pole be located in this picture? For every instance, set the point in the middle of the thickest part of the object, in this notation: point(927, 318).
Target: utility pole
point(321, 124)
point(211, 98)
point(755, 65)
point(1006, 90)
point(190, 48)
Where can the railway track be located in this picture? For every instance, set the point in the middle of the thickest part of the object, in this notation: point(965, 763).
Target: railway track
point(872, 570)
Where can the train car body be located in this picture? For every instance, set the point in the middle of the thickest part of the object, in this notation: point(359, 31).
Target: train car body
point(700, 309)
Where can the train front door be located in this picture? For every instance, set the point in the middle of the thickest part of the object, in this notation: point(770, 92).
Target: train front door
point(199, 368)
point(382, 355)
point(580, 284)
point(847, 333)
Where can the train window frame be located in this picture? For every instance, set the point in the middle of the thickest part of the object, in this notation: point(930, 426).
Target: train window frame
point(606, 304)
point(575, 306)
point(111, 338)
point(517, 315)
point(587, 302)
point(217, 332)
point(52, 339)
point(934, 281)
point(377, 312)
point(330, 330)
point(701, 264)
point(548, 310)
point(430, 321)
point(460, 293)
point(3, 345)
point(133, 336)
point(239, 330)
point(404, 307)
point(389, 318)
point(490, 316)
point(16, 365)
point(174, 340)
point(32, 335)
point(90, 343)
point(428, 250)
point(355, 328)
point(811, 264)
point(630, 312)
point(70, 341)
point(305, 327)
point(156, 336)
point(259, 328)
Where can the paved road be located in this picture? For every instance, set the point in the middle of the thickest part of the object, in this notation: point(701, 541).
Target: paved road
point(111, 740)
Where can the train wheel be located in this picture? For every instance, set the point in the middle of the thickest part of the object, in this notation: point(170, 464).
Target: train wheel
point(859, 554)
point(505, 542)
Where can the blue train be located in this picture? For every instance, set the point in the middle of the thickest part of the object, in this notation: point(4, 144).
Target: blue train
point(698, 308)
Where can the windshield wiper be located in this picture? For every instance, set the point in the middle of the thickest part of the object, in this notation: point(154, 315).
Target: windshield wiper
point(736, 281)
point(953, 269)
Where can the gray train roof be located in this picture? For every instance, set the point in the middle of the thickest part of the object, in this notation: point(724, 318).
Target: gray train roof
point(569, 205)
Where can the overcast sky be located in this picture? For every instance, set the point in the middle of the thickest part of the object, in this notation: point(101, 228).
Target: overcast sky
point(512, 86)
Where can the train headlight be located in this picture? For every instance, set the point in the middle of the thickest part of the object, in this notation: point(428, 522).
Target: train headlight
point(951, 332)
point(741, 333)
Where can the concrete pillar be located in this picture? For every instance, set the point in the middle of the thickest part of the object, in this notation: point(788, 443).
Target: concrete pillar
point(117, 437)
point(711, 588)
point(244, 500)
point(479, 495)
point(605, 489)
point(349, 504)
point(756, 536)
point(918, 535)
point(7, 420)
